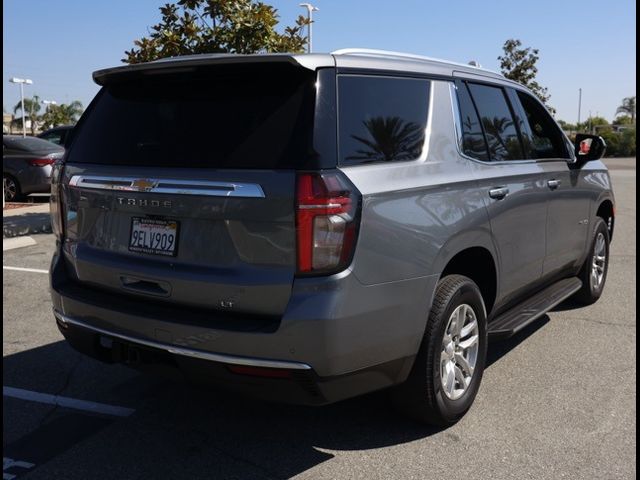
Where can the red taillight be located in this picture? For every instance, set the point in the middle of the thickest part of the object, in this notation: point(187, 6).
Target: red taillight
point(55, 201)
point(41, 162)
point(326, 222)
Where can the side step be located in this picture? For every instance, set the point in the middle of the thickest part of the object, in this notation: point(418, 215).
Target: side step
point(514, 320)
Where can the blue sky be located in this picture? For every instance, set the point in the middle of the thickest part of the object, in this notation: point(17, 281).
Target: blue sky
point(583, 44)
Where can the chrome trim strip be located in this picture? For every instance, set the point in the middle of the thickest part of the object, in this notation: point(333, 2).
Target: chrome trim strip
point(168, 186)
point(187, 352)
point(328, 205)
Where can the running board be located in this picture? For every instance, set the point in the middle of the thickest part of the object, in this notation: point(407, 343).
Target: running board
point(514, 320)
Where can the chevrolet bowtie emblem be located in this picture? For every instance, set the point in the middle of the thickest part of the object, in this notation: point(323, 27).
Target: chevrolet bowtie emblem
point(143, 185)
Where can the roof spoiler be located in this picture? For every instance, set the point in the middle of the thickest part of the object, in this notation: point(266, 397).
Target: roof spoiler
point(191, 62)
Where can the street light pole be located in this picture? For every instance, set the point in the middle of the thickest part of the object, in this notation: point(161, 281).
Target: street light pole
point(22, 82)
point(47, 103)
point(579, 105)
point(310, 9)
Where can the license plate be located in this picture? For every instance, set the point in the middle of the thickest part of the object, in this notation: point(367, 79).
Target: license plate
point(157, 237)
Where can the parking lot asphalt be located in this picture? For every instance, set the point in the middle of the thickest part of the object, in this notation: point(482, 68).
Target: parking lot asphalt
point(557, 401)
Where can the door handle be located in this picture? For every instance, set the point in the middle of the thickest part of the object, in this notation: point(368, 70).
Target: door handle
point(499, 192)
point(553, 184)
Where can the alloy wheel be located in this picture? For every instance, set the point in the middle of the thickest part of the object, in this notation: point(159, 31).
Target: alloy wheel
point(459, 351)
point(10, 188)
point(598, 262)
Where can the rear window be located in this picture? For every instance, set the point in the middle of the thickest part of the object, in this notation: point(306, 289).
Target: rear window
point(381, 119)
point(30, 144)
point(258, 116)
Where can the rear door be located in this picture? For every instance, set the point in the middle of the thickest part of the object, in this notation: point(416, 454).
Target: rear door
point(515, 195)
point(180, 186)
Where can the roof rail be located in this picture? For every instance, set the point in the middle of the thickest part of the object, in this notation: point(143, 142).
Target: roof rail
point(369, 52)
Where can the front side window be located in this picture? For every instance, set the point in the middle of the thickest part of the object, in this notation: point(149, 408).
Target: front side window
point(497, 122)
point(547, 139)
point(381, 119)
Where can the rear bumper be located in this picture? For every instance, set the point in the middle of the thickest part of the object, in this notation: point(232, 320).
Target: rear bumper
point(299, 385)
point(337, 338)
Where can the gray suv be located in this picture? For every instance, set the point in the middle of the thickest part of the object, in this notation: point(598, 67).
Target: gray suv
point(308, 228)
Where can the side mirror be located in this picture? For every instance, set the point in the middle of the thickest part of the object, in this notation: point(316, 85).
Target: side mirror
point(589, 147)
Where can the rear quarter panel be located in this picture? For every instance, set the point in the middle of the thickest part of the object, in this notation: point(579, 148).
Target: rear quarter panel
point(417, 215)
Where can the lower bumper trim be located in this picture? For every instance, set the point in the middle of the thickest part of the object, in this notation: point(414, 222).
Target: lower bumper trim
point(185, 352)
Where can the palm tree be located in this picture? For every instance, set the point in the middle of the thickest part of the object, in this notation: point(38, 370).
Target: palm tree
point(628, 107)
point(72, 111)
point(62, 114)
point(391, 138)
point(31, 107)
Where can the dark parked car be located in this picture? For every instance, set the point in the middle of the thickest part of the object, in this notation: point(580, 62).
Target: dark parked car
point(313, 227)
point(58, 135)
point(26, 165)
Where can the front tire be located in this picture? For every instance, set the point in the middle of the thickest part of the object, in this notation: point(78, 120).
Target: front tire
point(594, 270)
point(448, 369)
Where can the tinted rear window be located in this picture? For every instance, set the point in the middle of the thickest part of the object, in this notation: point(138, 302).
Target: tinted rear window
point(499, 128)
point(381, 119)
point(30, 144)
point(221, 117)
point(473, 143)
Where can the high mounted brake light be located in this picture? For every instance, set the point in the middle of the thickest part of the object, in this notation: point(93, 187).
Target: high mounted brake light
point(327, 216)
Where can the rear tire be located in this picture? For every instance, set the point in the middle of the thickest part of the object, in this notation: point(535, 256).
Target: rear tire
point(456, 318)
point(12, 192)
point(594, 270)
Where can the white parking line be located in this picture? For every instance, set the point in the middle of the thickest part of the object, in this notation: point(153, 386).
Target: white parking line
point(20, 269)
point(66, 402)
point(8, 463)
point(17, 242)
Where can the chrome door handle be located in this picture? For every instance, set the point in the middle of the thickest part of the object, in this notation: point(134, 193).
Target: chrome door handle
point(499, 192)
point(553, 184)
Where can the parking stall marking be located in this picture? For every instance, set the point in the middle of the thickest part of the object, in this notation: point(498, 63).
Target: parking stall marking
point(10, 463)
point(21, 269)
point(67, 402)
point(49, 441)
point(17, 242)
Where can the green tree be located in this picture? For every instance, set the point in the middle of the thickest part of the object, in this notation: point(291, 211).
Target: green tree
point(620, 144)
point(623, 120)
point(63, 114)
point(519, 64)
point(628, 142)
point(217, 26)
point(628, 107)
point(31, 107)
point(566, 126)
point(590, 124)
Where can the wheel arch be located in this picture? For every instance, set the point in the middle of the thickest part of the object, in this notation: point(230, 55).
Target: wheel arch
point(606, 211)
point(473, 256)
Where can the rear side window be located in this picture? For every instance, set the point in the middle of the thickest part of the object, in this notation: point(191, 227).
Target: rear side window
point(497, 122)
point(547, 141)
point(242, 116)
point(381, 119)
point(473, 143)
